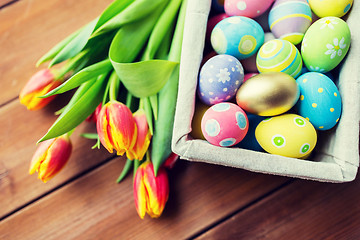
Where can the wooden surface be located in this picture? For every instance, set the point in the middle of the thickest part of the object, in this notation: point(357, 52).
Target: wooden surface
point(84, 201)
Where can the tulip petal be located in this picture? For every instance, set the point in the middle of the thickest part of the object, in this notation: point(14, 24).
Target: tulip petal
point(140, 194)
point(39, 155)
point(57, 156)
point(102, 129)
point(122, 127)
point(143, 136)
point(157, 190)
point(32, 100)
point(38, 81)
point(50, 157)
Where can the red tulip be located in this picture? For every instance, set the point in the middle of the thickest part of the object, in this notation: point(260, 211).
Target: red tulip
point(50, 157)
point(116, 127)
point(39, 84)
point(150, 193)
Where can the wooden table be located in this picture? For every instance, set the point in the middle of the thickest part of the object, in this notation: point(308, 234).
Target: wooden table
point(85, 202)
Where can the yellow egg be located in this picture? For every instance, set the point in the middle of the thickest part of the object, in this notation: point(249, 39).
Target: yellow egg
point(288, 135)
point(268, 94)
point(200, 109)
point(335, 8)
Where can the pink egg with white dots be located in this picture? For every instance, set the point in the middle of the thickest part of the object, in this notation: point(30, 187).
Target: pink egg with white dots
point(246, 8)
point(224, 124)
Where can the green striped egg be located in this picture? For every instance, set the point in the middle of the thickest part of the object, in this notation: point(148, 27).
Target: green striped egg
point(279, 56)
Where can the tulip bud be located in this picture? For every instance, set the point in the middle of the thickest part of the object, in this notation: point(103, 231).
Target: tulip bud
point(169, 163)
point(94, 116)
point(116, 127)
point(150, 193)
point(143, 136)
point(39, 84)
point(50, 157)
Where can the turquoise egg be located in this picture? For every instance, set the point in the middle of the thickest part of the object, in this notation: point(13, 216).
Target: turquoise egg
point(238, 36)
point(320, 100)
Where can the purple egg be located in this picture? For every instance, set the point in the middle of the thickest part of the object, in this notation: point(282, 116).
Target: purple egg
point(289, 19)
point(219, 79)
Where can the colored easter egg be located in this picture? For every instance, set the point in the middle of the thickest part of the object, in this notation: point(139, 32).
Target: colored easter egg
point(268, 94)
point(249, 75)
point(249, 64)
point(249, 141)
point(288, 135)
point(199, 112)
point(224, 124)
point(329, 8)
point(325, 44)
point(219, 79)
point(279, 56)
point(238, 36)
point(320, 100)
point(217, 5)
point(289, 19)
point(246, 8)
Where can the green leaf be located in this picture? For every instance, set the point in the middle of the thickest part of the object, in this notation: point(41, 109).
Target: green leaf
point(90, 135)
point(75, 46)
point(127, 167)
point(88, 73)
point(162, 27)
point(78, 94)
point(57, 48)
point(146, 78)
point(161, 141)
point(134, 12)
point(130, 39)
point(112, 10)
point(154, 105)
point(77, 112)
point(149, 114)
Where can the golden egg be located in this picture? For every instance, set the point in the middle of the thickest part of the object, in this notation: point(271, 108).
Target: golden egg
point(200, 109)
point(268, 94)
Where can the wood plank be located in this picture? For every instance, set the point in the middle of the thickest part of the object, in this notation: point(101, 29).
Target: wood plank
point(20, 129)
point(303, 210)
point(95, 207)
point(29, 28)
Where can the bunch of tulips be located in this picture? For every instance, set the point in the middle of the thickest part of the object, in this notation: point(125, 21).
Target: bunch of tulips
point(124, 66)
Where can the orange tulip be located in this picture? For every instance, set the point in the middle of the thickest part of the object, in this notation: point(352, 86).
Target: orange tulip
point(143, 136)
point(39, 84)
point(116, 127)
point(50, 157)
point(150, 193)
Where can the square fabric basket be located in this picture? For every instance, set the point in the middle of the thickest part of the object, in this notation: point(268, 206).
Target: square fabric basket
point(336, 156)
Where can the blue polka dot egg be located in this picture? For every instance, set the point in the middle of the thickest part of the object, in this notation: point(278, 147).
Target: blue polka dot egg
point(320, 101)
point(238, 36)
point(219, 79)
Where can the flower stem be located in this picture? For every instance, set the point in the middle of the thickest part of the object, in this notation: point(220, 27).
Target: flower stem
point(70, 65)
point(114, 86)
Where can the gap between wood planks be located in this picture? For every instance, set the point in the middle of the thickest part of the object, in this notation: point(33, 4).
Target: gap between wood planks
point(80, 175)
point(255, 201)
point(9, 101)
point(3, 5)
